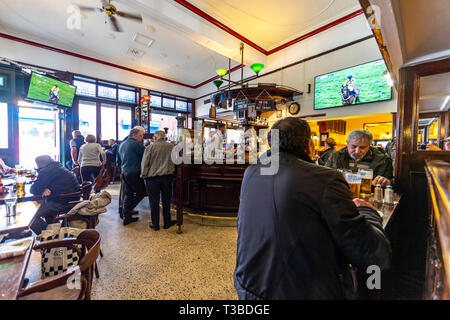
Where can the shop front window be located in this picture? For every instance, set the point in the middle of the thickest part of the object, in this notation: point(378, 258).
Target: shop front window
point(87, 114)
point(124, 122)
point(108, 113)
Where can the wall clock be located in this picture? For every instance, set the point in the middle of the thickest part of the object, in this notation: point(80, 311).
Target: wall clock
point(294, 108)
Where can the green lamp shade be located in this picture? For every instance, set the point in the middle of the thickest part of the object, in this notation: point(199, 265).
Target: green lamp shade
point(218, 83)
point(257, 67)
point(221, 72)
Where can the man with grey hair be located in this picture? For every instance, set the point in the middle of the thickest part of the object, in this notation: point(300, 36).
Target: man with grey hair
point(158, 170)
point(360, 154)
point(128, 159)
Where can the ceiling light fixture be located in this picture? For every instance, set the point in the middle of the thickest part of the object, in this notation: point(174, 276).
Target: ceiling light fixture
point(256, 67)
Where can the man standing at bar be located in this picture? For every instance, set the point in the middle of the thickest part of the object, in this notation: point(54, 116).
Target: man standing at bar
point(75, 145)
point(128, 159)
point(158, 170)
point(299, 229)
point(360, 154)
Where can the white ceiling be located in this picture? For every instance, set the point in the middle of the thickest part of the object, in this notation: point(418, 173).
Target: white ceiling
point(275, 22)
point(187, 48)
point(172, 55)
point(435, 92)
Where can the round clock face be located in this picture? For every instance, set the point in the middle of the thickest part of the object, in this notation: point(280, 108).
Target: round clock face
point(294, 108)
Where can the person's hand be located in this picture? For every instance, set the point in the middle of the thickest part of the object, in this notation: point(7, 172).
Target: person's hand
point(76, 163)
point(382, 181)
point(46, 193)
point(432, 147)
point(362, 203)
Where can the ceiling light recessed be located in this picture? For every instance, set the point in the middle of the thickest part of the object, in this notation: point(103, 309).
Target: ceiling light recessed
point(143, 39)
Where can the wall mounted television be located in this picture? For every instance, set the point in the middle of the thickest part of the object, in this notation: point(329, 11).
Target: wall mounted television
point(360, 84)
point(50, 90)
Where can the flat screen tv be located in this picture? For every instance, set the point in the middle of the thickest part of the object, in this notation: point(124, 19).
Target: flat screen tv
point(360, 84)
point(50, 90)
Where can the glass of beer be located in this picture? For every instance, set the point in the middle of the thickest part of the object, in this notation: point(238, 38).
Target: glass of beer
point(366, 182)
point(354, 182)
point(20, 187)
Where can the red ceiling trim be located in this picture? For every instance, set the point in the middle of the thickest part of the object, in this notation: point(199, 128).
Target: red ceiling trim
point(219, 24)
point(317, 31)
point(73, 54)
point(207, 17)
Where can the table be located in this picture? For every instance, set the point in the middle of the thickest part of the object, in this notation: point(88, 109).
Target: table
point(386, 209)
point(25, 216)
point(28, 196)
point(12, 272)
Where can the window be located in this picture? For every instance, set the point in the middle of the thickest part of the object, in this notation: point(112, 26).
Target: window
point(181, 105)
point(168, 103)
point(108, 116)
point(155, 99)
point(85, 88)
point(87, 113)
point(127, 96)
point(124, 123)
point(3, 125)
point(2, 81)
point(107, 92)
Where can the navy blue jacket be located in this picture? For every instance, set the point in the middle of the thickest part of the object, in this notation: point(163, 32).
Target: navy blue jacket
point(57, 179)
point(129, 156)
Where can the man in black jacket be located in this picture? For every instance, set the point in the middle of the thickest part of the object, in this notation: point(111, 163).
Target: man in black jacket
point(299, 229)
point(52, 181)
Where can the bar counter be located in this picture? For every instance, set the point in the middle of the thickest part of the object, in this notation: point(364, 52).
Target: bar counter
point(214, 190)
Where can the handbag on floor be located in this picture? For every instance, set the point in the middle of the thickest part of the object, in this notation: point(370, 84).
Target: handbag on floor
point(58, 260)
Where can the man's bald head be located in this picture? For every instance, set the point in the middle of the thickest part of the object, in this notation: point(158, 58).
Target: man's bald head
point(43, 161)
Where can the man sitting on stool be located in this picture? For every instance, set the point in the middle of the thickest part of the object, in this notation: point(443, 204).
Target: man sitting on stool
point(158, 170)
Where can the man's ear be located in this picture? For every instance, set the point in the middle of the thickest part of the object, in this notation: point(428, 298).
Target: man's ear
point(310, 148)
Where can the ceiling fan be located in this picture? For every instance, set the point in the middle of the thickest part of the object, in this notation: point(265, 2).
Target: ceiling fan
point(111, 13)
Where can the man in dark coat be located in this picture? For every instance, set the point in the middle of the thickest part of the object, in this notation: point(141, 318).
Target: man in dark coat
point(329, 150)
point(299, 229)
point(359, 152)
point(53, 180)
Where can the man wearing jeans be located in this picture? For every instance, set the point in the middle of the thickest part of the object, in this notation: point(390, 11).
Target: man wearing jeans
point(158, 170)
point(128, 159)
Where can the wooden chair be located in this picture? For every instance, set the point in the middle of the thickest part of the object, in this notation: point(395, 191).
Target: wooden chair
point(56, 288)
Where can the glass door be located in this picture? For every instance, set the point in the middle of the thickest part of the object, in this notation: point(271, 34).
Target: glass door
point(39, 133)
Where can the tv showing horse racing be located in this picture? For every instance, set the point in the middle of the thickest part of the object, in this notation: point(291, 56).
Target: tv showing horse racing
point(355, 85)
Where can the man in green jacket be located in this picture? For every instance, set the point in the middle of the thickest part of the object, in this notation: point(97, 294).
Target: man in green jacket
point(359, 149)
point(128, 159)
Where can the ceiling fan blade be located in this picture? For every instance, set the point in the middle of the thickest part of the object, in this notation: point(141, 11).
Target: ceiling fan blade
point(105, 3)
point(136, 17)
point(92, 9)
point(115, 24)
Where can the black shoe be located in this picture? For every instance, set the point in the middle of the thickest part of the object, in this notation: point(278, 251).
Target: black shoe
point(156, 228)
point(128, 221)
point(171, 223)
point(134, 213)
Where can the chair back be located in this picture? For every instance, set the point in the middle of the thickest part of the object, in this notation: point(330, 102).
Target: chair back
point(91, 239)
point(86, 188)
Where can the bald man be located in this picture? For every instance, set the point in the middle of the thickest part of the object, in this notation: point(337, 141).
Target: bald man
point(52, 181)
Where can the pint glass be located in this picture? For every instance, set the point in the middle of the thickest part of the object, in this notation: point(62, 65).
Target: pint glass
point(366, 182)
point(354, 182)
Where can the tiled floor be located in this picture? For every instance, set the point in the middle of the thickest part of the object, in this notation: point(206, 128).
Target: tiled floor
point(140, 263)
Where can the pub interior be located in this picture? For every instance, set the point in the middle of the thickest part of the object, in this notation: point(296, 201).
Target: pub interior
point(107, 105)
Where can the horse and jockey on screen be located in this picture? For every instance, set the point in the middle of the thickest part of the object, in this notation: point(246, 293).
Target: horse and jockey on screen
point(53, 95)
point(350, 92)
